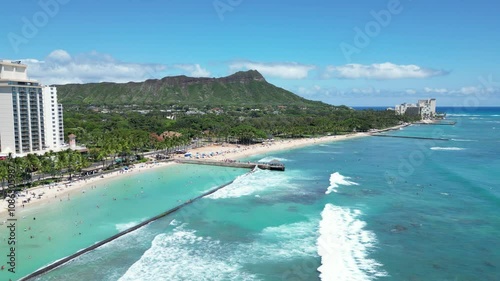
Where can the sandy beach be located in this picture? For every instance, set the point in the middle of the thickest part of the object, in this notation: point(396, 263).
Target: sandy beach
point(47, 194)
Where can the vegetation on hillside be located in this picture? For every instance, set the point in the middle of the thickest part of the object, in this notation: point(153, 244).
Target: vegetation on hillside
point(247, 88)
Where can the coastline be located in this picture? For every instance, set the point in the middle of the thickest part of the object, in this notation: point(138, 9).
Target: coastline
point(219, 152)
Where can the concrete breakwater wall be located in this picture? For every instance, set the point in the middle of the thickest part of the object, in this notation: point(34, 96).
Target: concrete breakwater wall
point(410, 137)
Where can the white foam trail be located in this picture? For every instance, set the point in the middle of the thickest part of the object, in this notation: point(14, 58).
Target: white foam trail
point(183, 255)
point(271, 158)
point(462, 140)
point(472, 115)
point(337, 179)
point(344, 246)
point(174, 222)
point(464, 115)
point(124, 226)
point(252, 184)
point(447, 148)
point(278, 243)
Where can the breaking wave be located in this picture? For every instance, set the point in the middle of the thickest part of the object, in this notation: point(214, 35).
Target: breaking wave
point(462, 140)
point(344, 246)
point(172, 257)
point(337, 179)
point(270, 158)
point(252, 184)
point(447, 148)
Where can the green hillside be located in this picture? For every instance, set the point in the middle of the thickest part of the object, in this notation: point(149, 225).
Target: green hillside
point(240, 89)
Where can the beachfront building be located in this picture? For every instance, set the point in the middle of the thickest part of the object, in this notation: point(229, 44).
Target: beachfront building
point(407, 108)
point(30, 118)
point(54, 130)
point(426, 109)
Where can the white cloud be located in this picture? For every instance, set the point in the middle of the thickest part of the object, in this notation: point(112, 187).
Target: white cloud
point(194, 70)
point(59, 55)
point(382, 71)
point(366, 91)
point(469, 90)
point(317, 91)
point(309, 91)
point(59, 67)
point(410, 91)
point(436, 90)
point(279, 70)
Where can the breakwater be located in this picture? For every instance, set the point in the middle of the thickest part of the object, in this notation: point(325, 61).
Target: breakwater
point(451, 123)
point(409, 137)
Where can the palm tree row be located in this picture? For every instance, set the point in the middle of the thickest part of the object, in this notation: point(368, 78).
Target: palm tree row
point(21, 171)
point(127, 144)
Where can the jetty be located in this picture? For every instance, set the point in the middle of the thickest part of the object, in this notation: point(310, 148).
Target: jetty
point(441, 122)
point(409, 137)
point(272, 165)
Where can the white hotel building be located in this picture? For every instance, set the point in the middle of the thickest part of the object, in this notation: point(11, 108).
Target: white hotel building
point(425, 108)
point(30, 117)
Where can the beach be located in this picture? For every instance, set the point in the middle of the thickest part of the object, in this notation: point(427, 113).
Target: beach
point(341, 209)
point(63, 190)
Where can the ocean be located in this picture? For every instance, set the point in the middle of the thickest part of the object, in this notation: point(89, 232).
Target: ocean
point(369, 208)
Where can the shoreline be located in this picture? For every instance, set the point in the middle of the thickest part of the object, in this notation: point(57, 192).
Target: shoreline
point(213, 153)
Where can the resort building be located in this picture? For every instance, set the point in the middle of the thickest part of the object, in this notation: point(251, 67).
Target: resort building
point(53, 115)
point(425, 108)
point(407, 108)
point(30, 118)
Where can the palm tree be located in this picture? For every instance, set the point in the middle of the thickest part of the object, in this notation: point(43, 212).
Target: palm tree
point(4, 176)
point(75, 162)
point(48, 163)
point(61, 162)
point(19, 165)
point(32, 164)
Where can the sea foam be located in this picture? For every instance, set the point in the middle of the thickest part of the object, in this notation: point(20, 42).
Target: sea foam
point(337, 179)
point(344, 246)
point(447, 148)
point(124, 226)
point(182, 255)
point(252, 184)
point(279, 243)
point(271, 158)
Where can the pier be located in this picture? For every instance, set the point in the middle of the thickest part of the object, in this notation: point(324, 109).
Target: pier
point(116, 236)
point(409, 137)
point(273, 165)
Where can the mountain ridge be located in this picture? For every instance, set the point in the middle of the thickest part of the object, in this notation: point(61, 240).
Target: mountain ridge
point(241, 88)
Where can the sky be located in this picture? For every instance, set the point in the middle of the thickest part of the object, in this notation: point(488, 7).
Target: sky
point(351, 52)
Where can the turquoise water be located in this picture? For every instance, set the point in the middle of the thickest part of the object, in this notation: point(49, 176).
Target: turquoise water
point(364, 209)
point(69, 223)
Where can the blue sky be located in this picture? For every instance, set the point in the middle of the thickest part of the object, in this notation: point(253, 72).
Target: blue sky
point(358, 53)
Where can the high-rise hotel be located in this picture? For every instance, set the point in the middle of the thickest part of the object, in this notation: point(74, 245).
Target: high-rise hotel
point(31, 120)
